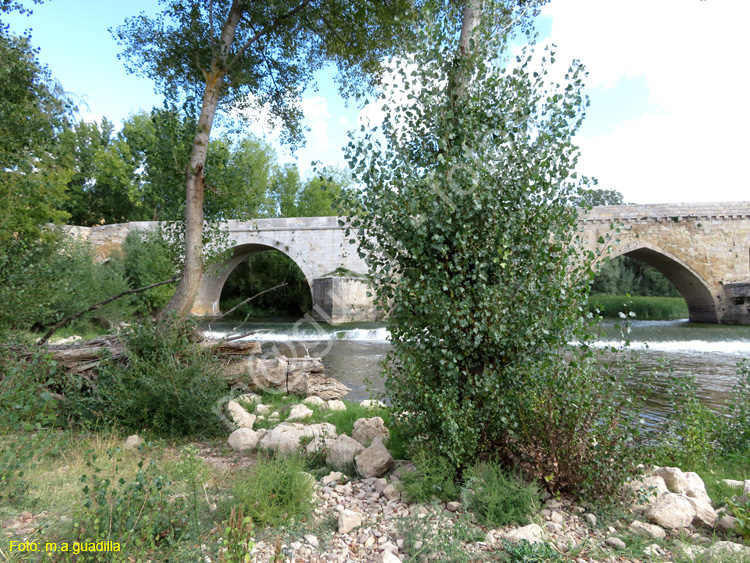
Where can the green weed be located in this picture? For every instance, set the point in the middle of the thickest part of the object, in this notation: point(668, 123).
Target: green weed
point(497, 497)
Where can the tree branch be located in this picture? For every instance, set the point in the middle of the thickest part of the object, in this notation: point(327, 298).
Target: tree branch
point(233, 309)
point(74, 316)
point(267, 29)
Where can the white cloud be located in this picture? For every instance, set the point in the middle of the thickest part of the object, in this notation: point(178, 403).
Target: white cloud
point(317, 118)
point(692, 57)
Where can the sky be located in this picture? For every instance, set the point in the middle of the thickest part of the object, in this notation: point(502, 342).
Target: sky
point(668, 122)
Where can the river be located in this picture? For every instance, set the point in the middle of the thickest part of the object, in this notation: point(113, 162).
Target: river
point(351, 352)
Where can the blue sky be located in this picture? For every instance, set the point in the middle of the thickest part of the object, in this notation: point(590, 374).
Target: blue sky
point(668, 120)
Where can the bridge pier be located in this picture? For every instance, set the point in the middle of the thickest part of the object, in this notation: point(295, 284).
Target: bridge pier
point(737, 303)
point(343, 300)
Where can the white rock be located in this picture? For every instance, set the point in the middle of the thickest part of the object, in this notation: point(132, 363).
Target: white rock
point(342, 452)
point(705, 515)
point(367, 429)
point(391, 492)
point(312, 540)
point(239, 415)
point(379, 484)
point(671, 511)
point(132, 442)
point(647, 490)
point(720, 550)
point(263, 410)
point(674, 478)
point(285, 438)
point(388, 557)
point(532, 533)
point(617, 543)
point(733, 483)
point(453, 506)
point(653, 550)
point(647, 530)
point(375, 460)
point(318, 445)
point(336, 405)
point(243, 439)
point(299, 412)
point(332, 477)
point(372, 404)
point(348, 520)
point(314, 401)
point(726, 524)
point(591, 519)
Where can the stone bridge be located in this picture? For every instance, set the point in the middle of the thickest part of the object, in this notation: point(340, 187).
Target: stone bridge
point(702, 248)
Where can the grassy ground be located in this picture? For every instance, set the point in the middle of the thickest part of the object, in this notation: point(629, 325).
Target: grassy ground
point(647, 308)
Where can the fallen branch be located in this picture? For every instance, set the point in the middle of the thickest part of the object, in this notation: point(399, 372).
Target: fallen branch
point(55, 327)
point(233, 309)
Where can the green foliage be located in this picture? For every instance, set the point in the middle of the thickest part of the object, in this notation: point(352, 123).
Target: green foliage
point(595, 197)
point(472, 249)
point(526, 552)
point(434, 478)
point(148, 258)
point(437, 533)
point(276, 491)
point(237, 538)
point(27, 377)
point(497, 497)
point(138, 514)
point(734, 432)
point(741, 511)
point(168, 385)
point(625, 275)
point(44, 280)
point(33, 110)
point(18, 458)
point(645, 308)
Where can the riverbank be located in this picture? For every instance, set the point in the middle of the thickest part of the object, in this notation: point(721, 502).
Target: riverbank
point(339, 502)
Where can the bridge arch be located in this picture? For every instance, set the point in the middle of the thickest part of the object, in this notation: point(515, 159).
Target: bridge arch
point(212, 283)
point(702, 305)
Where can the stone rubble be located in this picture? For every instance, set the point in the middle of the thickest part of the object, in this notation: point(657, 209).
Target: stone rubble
point(369, 508)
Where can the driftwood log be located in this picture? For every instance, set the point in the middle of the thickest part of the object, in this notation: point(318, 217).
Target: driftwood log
point(296, 376)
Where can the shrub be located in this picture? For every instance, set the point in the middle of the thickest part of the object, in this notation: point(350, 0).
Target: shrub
point(27, 379)
point(45, 280)
point(276, 491)
point(734, 428)
point(498, 498)
point(138, 514)
point(167, 385)
point(434, 477)
point(148, 258)
point(473, 252)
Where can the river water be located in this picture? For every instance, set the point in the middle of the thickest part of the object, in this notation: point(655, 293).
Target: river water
point(351, 353)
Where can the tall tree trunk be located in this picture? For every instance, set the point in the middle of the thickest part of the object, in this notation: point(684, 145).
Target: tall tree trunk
point(182, 301)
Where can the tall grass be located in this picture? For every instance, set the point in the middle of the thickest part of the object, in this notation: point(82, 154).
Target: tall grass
point(649, 308)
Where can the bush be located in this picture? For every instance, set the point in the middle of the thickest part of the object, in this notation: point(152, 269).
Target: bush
point(139, 514)
point(45, 280)
point(148, 258)
point(498, 498)
point(277, 491)
point(168, 385)
point(473, 251)
point(734, 428)
point(434, 478)
point(27, 379)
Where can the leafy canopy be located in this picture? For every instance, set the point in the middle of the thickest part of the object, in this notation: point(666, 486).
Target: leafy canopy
point(275, 50)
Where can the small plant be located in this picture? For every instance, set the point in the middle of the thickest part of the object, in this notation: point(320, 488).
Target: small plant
point(137, 514)
point(497, 497)
point(434, 478)
point(277, 490)
point(238, 538)
point(741, 512)
point(438, 535)
point(168, 385)
point(192, 469)
point(525, 552)
point(16, 460)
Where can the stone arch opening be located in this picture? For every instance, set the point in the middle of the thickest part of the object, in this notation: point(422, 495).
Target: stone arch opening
point(207, 302)
point(701, 304)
